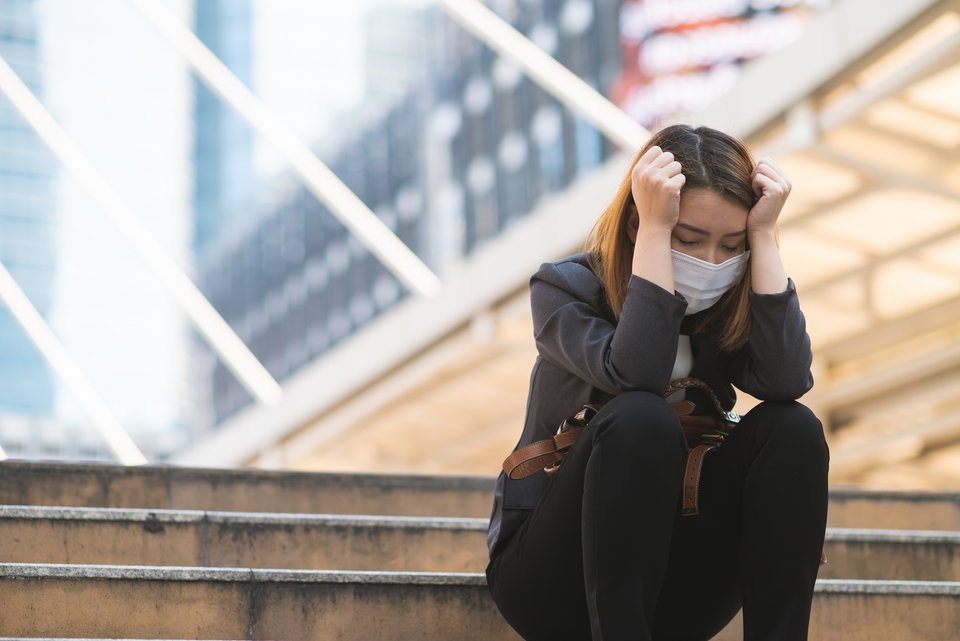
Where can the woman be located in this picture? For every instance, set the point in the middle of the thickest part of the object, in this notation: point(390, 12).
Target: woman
point(682, 277)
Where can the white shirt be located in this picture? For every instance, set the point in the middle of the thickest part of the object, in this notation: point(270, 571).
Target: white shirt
point(681, 366)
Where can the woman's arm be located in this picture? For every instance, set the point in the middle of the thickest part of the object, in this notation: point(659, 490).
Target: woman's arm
point(656, 183)
point(775, 363)
point(571, 331)
point(768, 275)
point(637, 352)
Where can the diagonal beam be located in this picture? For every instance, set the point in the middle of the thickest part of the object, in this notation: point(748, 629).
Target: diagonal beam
point(550, 75)
point(936, 52)
point(890, 333)
point(322, 182)
point(61, 363)
point(238, 358)
point(862, 271)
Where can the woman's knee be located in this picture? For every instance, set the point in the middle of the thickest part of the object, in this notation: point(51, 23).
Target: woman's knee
point(793, 425)
point(641, 420)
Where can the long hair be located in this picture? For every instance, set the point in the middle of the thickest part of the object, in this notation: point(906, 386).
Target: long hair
point(712, 160)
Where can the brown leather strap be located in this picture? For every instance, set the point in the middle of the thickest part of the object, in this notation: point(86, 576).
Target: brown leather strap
point(683, 408)
point(549, 452)
point(539, 455)
point(686, 383)
point(691, 479)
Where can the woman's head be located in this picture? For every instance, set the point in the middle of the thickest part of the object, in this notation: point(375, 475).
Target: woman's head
point(714, 202)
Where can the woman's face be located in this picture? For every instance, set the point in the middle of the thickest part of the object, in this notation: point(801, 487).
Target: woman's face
point(709, 227)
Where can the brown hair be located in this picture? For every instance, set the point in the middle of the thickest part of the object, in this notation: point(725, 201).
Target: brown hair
point(710, 160)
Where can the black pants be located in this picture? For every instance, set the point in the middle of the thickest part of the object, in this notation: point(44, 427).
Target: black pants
point(606, 554)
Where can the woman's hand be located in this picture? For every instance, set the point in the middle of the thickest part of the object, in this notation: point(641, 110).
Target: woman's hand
point(772, 188)
point(656, 182)
point(768, 275)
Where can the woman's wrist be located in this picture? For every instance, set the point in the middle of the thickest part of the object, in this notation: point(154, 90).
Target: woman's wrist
point(768, 275)
point(762, 237)
point(651, 256)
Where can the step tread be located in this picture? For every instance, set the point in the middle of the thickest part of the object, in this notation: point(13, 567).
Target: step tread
point(868, 586)
point(191, 573)
point(881, 535)
point(153, 573)
point(429, 481)
point(137, 515)
point(381, 480)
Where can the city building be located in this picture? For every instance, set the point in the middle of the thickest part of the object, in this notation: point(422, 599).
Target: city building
point(28, 221)
point(129, 115)
point(225, 182)
point(449, 166)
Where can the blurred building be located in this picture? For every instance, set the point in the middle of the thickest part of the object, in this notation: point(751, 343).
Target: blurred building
point(449, 164)
point(225, 183)
point(399, 51)
point(28, 221)
point(129, 114)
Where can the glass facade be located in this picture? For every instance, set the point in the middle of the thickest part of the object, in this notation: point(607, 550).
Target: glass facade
point(128, 114)
point(225, 180)
point(27, 222)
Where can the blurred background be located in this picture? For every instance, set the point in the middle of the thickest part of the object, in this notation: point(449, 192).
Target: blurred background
point(483, 173)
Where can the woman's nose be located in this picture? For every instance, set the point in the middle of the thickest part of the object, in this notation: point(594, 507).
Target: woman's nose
point(712, 256)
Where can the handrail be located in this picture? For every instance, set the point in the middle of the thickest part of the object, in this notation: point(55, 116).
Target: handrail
point(46, 342)
point(550, 75)
point(235, 354)
point(321, 182)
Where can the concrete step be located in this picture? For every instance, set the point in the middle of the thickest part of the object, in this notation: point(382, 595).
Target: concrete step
point(907, 555)
point(168, 487)
point(226, 603)
point(235, 539)
point(248, 490)
point(857, 508)
point(100, 601)
point(37, 534)
point(877, 611)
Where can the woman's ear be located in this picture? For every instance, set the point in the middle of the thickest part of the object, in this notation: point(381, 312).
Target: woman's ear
point(633, 224)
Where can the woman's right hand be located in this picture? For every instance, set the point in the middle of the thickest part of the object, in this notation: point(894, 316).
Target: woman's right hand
point(656, 181)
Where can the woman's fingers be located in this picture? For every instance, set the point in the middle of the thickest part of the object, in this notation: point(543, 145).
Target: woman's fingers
point(767, 167)
point(677, 181)
point(765, 182)
point(662, 160)
point(672, 169)
point(657, 179)
point(649, 155)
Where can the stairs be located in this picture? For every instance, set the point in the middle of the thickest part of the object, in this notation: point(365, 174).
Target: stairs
point(98, 551)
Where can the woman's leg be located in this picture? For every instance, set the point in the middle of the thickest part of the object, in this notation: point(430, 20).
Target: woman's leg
point(784, 518)
point(591, 557)
point(763, 502)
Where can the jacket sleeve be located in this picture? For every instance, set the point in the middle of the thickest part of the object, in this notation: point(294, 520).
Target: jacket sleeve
point(636, 353)
point(774, 365)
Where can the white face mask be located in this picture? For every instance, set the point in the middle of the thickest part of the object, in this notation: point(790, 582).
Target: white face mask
point(703, 283)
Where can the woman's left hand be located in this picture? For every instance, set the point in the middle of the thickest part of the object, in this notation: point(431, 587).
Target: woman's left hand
point(772, 187)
